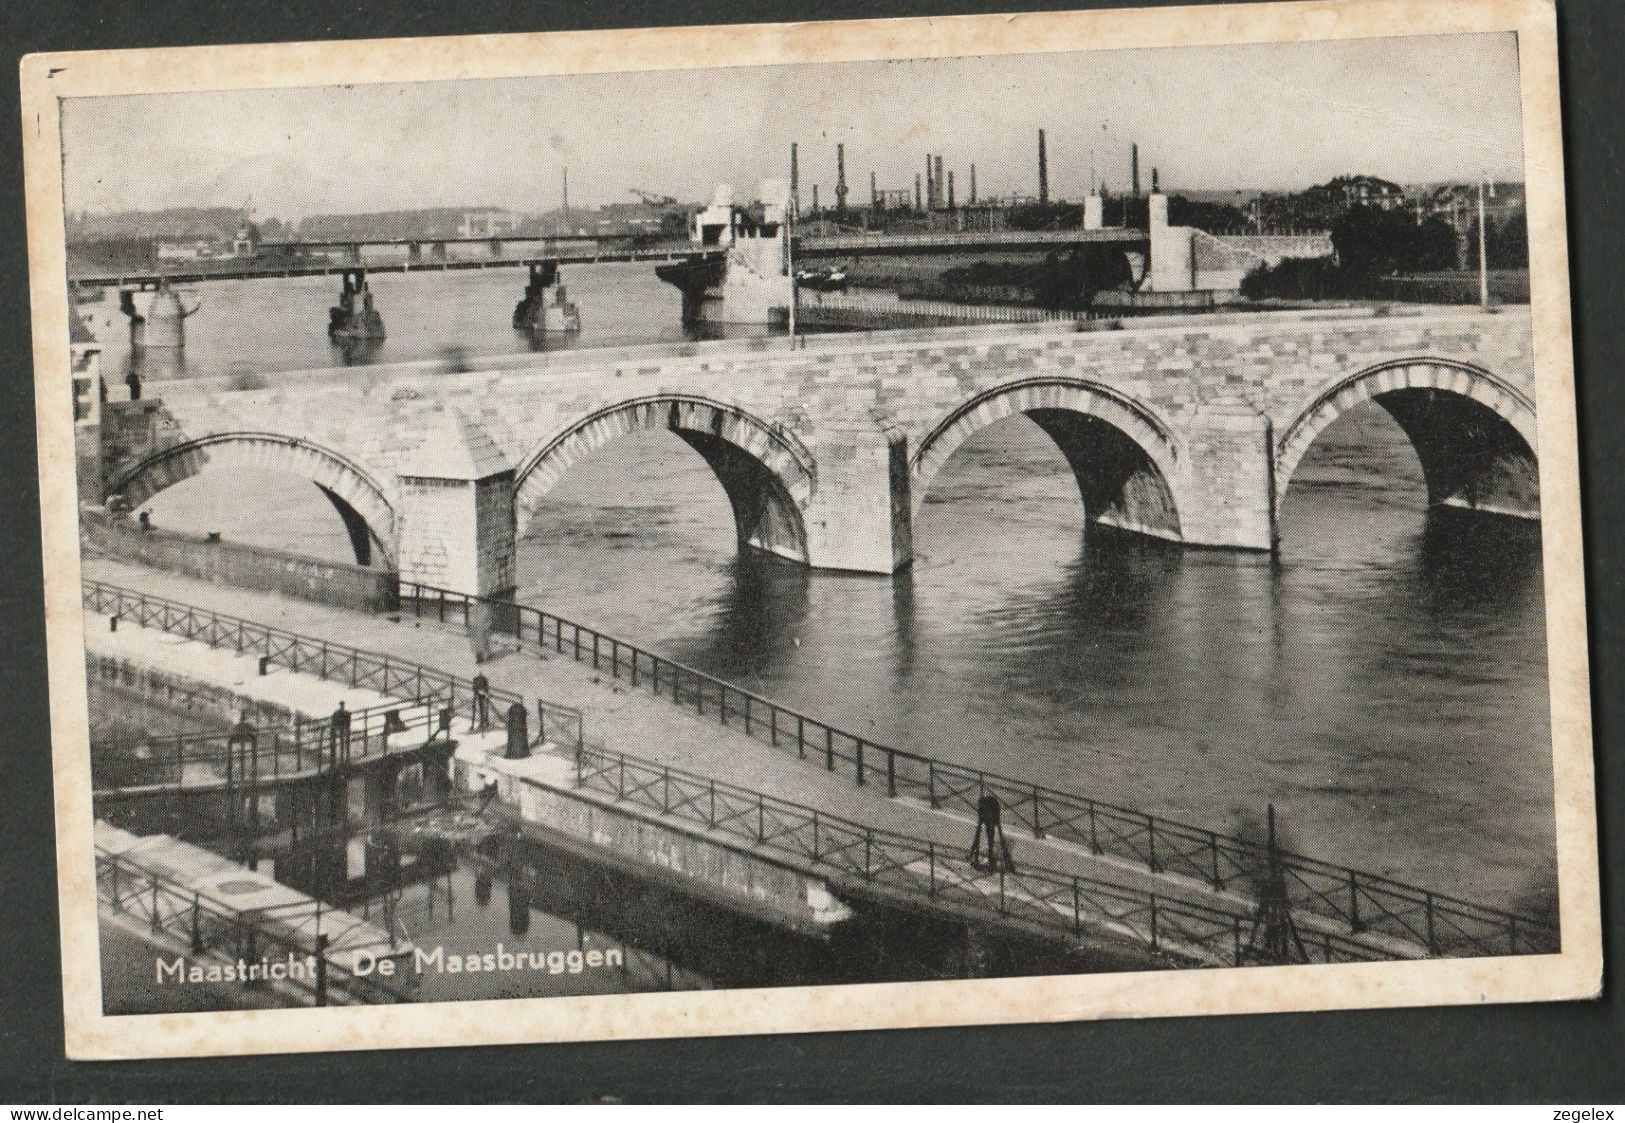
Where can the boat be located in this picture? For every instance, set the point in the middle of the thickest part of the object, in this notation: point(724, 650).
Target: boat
point(822, 280)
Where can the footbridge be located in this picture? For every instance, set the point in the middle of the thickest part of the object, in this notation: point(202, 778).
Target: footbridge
point(1186, 429)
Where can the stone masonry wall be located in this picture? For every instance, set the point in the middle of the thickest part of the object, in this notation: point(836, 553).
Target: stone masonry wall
point(1195, 375)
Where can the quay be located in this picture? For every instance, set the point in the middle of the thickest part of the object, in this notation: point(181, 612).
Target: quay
point(196, 911)
point(675, 745)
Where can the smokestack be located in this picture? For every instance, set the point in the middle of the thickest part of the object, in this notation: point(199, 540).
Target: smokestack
point(950, 189)
point(840, 178)
point(795, 178)
point(874, 194)
point(917, 199)
point(815, 197)
point(973, 185)
point(1134, 163)
point(941, 187)
point(566, 194)
point(1043, 170)
point(1155, 188)
point(930, 184)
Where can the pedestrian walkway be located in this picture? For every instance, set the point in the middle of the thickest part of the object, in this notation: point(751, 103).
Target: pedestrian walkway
point(622, 719)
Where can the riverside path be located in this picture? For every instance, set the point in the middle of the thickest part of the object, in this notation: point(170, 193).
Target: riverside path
point(628, 720)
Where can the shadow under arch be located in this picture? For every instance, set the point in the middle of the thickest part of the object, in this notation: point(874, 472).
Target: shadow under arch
point(1473, 432)
point(369, 516)
point(1124, 457)
point(767, 473)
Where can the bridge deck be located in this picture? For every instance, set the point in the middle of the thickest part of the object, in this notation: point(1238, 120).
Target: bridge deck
point(662, 733)
point(963, 241)
point(108, 278)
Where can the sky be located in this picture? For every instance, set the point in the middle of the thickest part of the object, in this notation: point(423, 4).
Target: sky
point(1277, 116)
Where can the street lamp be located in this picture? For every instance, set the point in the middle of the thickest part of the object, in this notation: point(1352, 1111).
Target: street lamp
point(242, 767)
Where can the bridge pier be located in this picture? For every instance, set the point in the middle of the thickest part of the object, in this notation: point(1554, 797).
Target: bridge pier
point(162, 326)
point(1227, 496)
point(545, 306)
point(858, 518)
point(354, 319)
point(457, 524)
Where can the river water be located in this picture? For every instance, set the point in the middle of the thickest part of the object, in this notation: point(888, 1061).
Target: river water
point(1382, 681)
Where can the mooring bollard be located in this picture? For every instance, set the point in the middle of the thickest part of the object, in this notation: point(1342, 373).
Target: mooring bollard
point(112, 623)
point(518, 742)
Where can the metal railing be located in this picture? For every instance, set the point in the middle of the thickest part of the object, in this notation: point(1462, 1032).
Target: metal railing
point(1059, 902)
point(309, 747)
point(324, 659)
point(1363, 902)
point(207, 925)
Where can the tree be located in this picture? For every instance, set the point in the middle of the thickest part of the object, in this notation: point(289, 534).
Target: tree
point(1371, 242)
point(1215, 218)
point(1508, 246)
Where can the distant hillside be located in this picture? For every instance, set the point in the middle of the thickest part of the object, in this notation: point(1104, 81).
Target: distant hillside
point(188, 223)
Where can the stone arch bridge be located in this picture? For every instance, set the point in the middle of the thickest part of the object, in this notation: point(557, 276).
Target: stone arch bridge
point(1187, 429)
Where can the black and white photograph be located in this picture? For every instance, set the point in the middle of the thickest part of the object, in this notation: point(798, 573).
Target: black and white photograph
point(1060, 518)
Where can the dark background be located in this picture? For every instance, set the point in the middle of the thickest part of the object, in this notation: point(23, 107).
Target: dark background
point(1570, 1053)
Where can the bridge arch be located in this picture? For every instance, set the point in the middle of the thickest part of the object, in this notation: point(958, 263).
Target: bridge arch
point(368, 514)
point(767, 473)
point(1474, 432)
point(1126, 459)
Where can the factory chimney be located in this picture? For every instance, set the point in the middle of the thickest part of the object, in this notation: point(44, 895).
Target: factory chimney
point(930, 185)
point(1155, 189)
point(840, 179)
point(917, 199)
point(950, 189)
point(973, 185)
point(1134, 164)
point(874, 193)
point(1043, 170)
point(795, 179)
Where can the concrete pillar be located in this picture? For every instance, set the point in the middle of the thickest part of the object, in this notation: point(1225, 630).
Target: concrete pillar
point(1227, 494)
point(1157, 209)
point(1173, 251)
point(85, 361)
point(1094, 213)
point(858, 518)
point(458, 530)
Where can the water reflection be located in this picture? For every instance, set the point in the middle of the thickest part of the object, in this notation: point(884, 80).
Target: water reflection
point(1382, 681)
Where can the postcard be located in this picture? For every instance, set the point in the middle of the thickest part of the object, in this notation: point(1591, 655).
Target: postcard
point(814, 526)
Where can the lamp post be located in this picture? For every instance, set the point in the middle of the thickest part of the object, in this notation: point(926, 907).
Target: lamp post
point(1483, 253)
point(242, 766)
